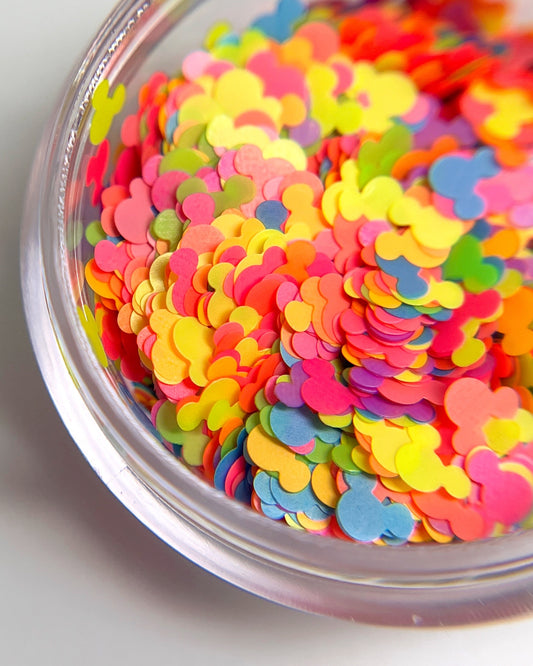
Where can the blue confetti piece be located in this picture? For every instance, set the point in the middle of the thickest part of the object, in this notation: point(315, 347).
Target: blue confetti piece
point(481, 230)
point(399, 522)
point(303, 502)
point(404, 311)
point(223, 467)
point(242, 437)
point(272, 511)
point(414, 128)
point(262, 488)
point(269, 507)
point(410, 285)
point(325, 167)
point(436, 372)
point(442, 315)
point(297, 427)
point(363, 517)
point(455, 177)
point(369, 416)
point(393, 541)
point(288, 359)
point(278, 25)
point(425, 337)
point(272, 214)
point(498, 264)
point(171, 126)
point(243, 492)
point(228, 39)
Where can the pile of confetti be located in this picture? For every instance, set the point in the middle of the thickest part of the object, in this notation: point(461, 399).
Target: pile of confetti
point(313, 262)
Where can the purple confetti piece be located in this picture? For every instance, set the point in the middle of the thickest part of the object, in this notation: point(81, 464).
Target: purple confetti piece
point(290, 393)
point(364, 380)
point(379, 367)
point(306, 134)
point(421, 412)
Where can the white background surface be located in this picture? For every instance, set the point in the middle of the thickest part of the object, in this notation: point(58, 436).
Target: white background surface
point(81, 581)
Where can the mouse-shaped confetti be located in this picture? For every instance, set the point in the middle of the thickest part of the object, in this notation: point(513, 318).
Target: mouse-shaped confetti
point(106, 106)
point(455, 177)
point(322, 289)
point(364, 518)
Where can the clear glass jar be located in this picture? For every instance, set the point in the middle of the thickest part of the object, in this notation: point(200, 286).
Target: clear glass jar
point(420, 585)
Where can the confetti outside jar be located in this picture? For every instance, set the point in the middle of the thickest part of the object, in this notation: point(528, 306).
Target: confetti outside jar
point(313, 264)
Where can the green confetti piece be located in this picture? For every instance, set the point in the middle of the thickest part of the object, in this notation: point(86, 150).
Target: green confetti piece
point(182, 159)
point(94, 233)
point(167, 227)
point(237, 191)
point(190, 186)
point(342, 457)
point(265, 420)
point(74, 235)
point(321, 453)
point(377, 158)
point(191, 136)
point(167, 425)
point(230, 442)
point(466, 263)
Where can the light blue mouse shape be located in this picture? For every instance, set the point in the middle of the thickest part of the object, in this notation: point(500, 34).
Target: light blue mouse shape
point(278, 25)
point(410, 284)
point(455, 177)
point(362, 517)
point(297, 427)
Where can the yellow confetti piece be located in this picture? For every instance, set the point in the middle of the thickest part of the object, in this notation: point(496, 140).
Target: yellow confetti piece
point(268, 454)
point(227, 93)
point(470, 352)
point(312, 525)
point(247, 317)
point(287, 150)
point(324, 485)
point(361, 460)
point(435, 535)
point(294, 111)
point(510, 283)
point(336, 421)
point(298, 315)
point(106, 107)
point(386, 440)
point(195, 343)
point(221, 132)
point(421, 468)
point(199, 109)
point(345, 197)
point(219, 306)
point(390, 245)
point(502, 435)
point(249, 351)
point(428, 226)
point(293, 523)
point(218, 30)
point(224, 390)
point(170, 367)
point(221, 412)
point(383, 96)
point(90, 327)
point(513, 108)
